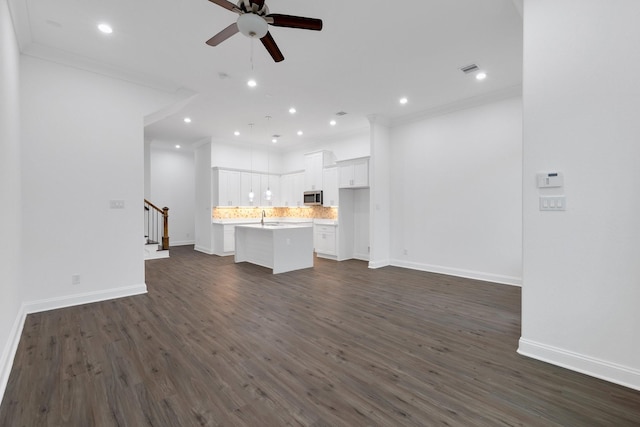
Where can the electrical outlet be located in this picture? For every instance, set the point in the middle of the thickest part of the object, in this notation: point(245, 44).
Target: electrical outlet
point(405, 252)
point(75, 279)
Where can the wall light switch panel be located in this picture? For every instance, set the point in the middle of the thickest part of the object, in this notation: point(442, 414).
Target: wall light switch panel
point(553, 203)
point(116, 204)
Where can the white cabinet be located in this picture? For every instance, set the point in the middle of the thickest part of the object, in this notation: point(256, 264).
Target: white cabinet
point(224, 239)
point(330, 185)
point(313, 166)
point(258, 183)
point(353, 173)
point(246, 185)
point(271, 183)
point(291, 189)
point(298, 189)
point(226, 187)
point(324, 240)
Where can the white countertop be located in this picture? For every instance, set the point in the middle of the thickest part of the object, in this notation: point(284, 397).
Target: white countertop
point(276, 226)
point(325, 221)
point(238, 221)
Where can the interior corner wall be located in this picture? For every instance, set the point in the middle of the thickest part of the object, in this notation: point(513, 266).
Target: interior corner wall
point(82, 146)
point(581, 292)
point(456, 193)
point(172, 176)
point(11, 282)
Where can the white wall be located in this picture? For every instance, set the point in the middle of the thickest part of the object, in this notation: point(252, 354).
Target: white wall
point(11, 281)
point(238, 156)
point(581, 291)
point(172, 184)
point(82, 146)
point(203, 202)
point(380, 173)
point(361, 220)
point(456, 193)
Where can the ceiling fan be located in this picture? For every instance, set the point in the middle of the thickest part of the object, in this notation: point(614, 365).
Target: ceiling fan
point(254, 21)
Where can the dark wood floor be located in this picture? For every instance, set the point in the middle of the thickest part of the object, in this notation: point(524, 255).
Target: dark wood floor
point(215, 343)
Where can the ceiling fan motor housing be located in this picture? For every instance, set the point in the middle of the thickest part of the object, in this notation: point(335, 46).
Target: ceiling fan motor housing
point(247, 6)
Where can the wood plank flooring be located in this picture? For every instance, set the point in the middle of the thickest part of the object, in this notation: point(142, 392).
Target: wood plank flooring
point(215, 343)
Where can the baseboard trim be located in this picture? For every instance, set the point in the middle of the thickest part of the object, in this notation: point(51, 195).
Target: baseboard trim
point(612, 372)
point(379, 264)
point(468, 274)
point(10, 349)
point(83, 298)
point(182, 243)
point(203, 250)
point(9, 352)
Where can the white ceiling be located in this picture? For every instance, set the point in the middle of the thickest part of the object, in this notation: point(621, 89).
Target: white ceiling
point(368, 55)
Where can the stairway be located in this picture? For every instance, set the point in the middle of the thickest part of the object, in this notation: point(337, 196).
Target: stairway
point(153, 250)
point(156, 224)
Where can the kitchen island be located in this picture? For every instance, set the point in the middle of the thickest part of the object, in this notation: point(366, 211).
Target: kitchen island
point(281, 247)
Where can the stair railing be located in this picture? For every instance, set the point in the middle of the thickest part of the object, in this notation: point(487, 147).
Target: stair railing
point(157, 223)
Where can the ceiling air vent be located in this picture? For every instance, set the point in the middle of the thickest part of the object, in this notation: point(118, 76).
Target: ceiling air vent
point(469, 68)
point(341, 113)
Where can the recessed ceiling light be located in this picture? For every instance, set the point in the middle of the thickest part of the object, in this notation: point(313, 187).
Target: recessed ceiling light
point(236, 133)
point(187, 120)
point(403, 101)
point(292, 110)
point(252, 83)
point(481, 75)
point(177, 146)
point(274, 140)
point(300, 133)
point(105, 28)
point(333, 123)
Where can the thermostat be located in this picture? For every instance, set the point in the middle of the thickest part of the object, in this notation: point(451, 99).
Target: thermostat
point(549, 179)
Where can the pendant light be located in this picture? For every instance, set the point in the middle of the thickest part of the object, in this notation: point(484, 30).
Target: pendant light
point(268, 193)
point(251, 193)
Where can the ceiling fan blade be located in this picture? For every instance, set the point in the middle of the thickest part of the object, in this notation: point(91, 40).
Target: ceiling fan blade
point(223, 35)
point(272, 47)
point(227, 5)
point(290, 21)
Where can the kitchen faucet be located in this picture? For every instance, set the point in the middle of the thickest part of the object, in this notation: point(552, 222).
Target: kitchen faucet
point(262, 220)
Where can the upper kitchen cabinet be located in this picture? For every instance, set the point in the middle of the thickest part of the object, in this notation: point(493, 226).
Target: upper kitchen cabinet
point(226, 187)
point(250, 182)
point(330, 186)
point(258, 183)
point(291, 187)
point(314, 164)
point(270, 183)
point(354, 173)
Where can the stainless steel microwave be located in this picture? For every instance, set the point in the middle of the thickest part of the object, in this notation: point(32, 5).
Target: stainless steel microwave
point(312, 198)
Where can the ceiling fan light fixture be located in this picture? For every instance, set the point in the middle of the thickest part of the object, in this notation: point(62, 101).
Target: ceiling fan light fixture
point(252, 25)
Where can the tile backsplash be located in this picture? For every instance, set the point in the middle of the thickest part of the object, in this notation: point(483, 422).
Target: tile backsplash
point(315, 212)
